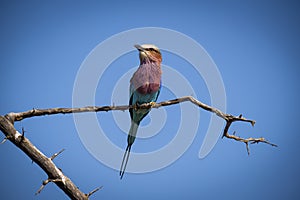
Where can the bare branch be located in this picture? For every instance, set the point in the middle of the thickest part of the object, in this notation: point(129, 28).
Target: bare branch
point(53, 111)
point(227, 117)
point(53, 172)
point(230, 119)
point(249, 140)
point(6, 126)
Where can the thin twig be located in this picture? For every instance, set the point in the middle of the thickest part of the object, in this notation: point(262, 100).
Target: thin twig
point(249, 140)
point(56, 154)
point(4, 140)
point(93, 191)
point(45, 183)
point(23, 132)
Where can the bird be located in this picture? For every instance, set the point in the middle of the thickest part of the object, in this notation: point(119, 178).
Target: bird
point(145, 86)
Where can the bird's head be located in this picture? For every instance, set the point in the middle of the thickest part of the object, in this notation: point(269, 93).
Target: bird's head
point(149, 52)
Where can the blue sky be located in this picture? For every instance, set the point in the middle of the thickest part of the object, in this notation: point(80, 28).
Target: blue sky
point(255, 45)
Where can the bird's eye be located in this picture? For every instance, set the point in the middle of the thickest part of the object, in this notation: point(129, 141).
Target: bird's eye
point(152, 49)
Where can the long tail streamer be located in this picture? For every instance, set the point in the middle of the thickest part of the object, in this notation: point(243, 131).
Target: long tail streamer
point(125, 158)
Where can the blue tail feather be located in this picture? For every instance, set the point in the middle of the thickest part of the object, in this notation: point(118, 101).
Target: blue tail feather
point(130, 140)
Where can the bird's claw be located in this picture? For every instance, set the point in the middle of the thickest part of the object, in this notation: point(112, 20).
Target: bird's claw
point(152, 104)
point(137, 106)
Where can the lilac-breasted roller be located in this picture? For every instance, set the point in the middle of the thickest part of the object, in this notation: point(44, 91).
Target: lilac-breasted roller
point(145, 86)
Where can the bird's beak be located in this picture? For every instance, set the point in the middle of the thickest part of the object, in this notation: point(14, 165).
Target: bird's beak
point(139, 47)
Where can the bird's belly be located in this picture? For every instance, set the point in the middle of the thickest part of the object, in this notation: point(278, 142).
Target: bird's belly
point(148, 88)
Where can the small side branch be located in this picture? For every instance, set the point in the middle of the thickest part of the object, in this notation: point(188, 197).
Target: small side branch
point(45, 183)
point(93, 191)
point(230, 119)
point(4, 140)
point(56, 154)
point(249, 140)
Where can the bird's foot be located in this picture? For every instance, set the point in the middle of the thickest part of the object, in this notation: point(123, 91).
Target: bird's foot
point(135, 106)
point(152, 104)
